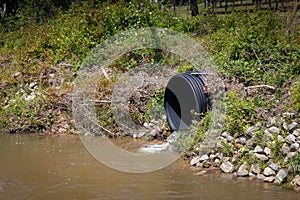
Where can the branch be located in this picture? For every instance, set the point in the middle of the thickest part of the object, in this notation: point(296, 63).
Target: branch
point(260, 86)
point(101, 101)
point(105, 74)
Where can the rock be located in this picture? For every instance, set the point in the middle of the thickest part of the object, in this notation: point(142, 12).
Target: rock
point(295, 146)
point(32, 85)
point(242, 171)
point(252, 175)
point(268, 151)
point(204, 158)
point(238, 145)
point(285, 126)
point(219, 155)
point(195, 160)
point(260, 177)
point(30, 97)
point(296, 132)
point(212, 157)
point(235, 159)
point(293, 126)
point(255, 168)
point(249, 143)
point(206, 164)
point(271, 121)
point(146, 125)
point(269, 172)
point(281, 175)
point(62, 130)
point(134, 135)
point(225, 134)
point(227, 167)
point(269, 179)
point(296, 181)
point(274, 129)
point(250, 130)
point(219, 145)
point(153, 132)
point(240, 140)
point(290, 139)
point(142, 134)
point(17, 74)
point(258, 149)
point(229, 138)
point(217, 161)
point(280, 138)
point(285, 148)
point(274, 166)
point(261, 156)
point(288, 114)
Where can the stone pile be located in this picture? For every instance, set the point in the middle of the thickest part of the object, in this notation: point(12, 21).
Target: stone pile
point(266, 152)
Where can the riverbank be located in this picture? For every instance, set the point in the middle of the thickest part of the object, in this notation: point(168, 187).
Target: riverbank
point(257, 55)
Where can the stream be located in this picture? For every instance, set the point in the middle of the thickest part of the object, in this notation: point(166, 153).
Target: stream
point(59, 167)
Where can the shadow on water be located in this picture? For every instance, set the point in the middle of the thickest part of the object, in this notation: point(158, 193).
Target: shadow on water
point(33, 167)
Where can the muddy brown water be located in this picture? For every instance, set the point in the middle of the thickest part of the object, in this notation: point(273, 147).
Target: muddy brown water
point(34, 167)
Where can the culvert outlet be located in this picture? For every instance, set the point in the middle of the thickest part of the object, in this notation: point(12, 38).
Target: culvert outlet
point(185, 99)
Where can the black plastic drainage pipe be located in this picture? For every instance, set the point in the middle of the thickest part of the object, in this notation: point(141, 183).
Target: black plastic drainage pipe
point(185, 98)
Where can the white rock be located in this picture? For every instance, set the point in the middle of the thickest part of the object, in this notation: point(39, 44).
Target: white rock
point(242, 171)
point(261, 156)
point(274, 129)
point(269, 179)
point(285, 126)
point(229, 138)
point(153, 132)
point(17, 74)
point(258, 149)
point(268, 151)
point(285, 148)
point(290, 139)
point(250, 130)
point(296, 132)
point(195, 160)
point(255, 168)
point(281, 175)
point(141, 134)
point(32, 85)
point(240, 140)
point(225, 134)
point(296, 181)
point(269, 172)
point(288, 114)
point(226, 167)
point(271, 121)
point(295, 146)
point(280, 138)
point(260, 177)
point(293, 126)
point(204, 158)
point(252, 175)
point(274, 166)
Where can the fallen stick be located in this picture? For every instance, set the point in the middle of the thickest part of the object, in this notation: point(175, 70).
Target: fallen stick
point(260, 86)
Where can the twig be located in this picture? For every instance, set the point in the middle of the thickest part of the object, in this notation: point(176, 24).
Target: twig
point(101, 101)
point(105, 74)
point(65, 64)
point(260, 86)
